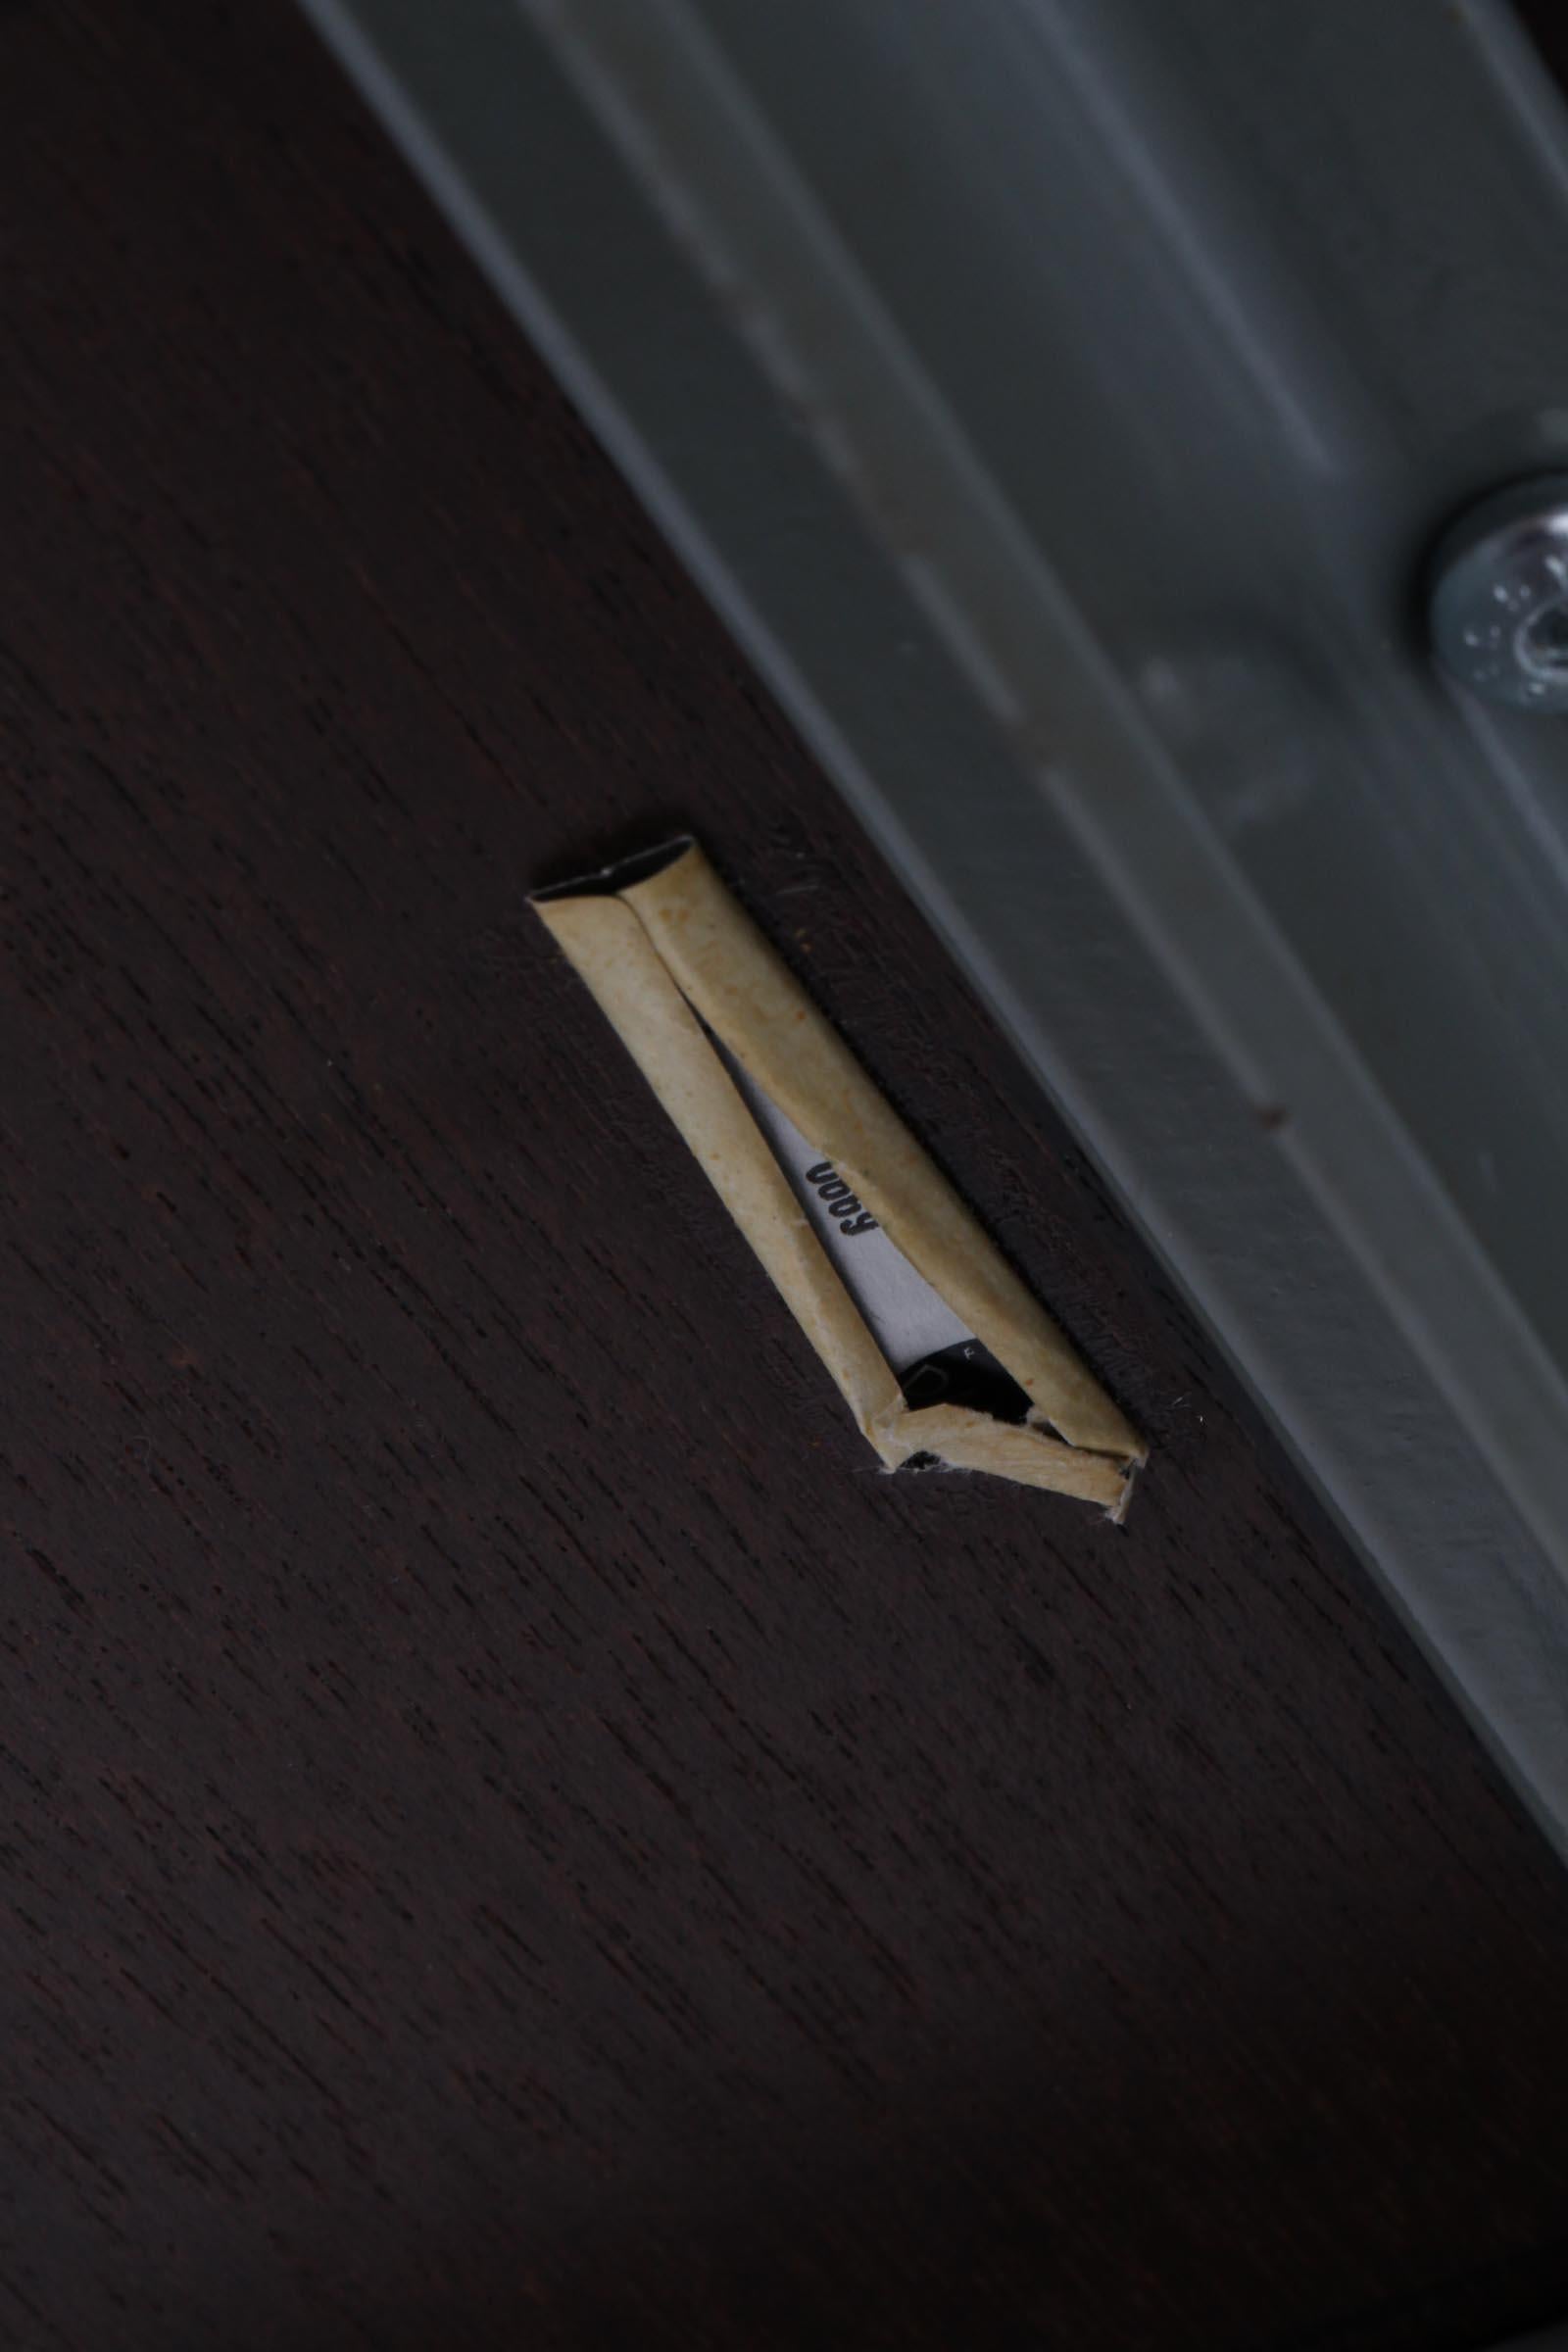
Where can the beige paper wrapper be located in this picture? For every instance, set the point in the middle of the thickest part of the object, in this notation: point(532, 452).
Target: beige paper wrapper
point(665, 955)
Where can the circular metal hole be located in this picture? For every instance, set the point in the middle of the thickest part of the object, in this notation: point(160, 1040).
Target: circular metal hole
point(1498, 590)
point(1541, 643)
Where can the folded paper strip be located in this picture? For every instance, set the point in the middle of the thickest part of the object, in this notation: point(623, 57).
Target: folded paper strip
point(674, 965)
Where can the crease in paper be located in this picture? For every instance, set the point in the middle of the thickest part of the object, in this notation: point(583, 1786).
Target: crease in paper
point(833, 1193)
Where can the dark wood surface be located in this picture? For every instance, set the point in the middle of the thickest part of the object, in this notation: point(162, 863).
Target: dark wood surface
point(515, 1833)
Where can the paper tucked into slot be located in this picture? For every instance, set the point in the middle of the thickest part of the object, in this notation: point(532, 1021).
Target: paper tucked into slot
point(907, 1318)
point(936, 1345)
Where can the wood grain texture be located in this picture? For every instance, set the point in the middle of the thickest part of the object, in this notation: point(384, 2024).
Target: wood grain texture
point(501, 1850)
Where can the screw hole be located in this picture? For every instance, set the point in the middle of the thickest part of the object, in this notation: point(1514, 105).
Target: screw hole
point(1541, 643)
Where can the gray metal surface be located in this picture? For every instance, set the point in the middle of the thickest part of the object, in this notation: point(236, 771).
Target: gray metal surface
point(1060, 422)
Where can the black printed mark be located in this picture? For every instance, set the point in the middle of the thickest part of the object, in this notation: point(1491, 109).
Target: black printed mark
point(841, 1201)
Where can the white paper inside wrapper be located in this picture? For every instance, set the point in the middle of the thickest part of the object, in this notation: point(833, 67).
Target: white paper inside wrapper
point(908, 1319)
